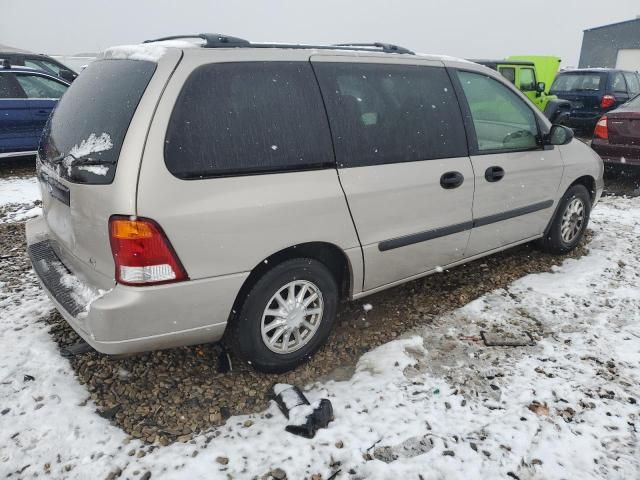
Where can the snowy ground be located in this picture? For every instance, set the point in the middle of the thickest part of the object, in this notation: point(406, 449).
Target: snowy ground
point(435, 404)
point(19, 199)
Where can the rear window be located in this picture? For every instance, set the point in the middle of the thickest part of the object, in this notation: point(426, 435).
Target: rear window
point(248, 118)
point(83, 137)
point(634, 103)
point(383, 113)
point(632, 83)
point(579, 82)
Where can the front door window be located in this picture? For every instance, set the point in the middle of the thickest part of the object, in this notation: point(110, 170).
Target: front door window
point(502, 120)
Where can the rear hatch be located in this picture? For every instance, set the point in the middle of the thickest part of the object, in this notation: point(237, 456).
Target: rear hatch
point(624, 124)
point(89, 158)
point(583, 89)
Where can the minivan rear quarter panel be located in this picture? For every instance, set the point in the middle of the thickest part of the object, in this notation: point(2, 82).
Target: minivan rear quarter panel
point(226, 225)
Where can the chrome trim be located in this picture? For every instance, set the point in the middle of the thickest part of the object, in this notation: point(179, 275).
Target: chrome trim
point(18, 154)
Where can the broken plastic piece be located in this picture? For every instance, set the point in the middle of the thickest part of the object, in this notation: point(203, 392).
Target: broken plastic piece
point(304, 419)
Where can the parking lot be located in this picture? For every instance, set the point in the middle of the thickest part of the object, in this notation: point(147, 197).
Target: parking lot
point(187, 394)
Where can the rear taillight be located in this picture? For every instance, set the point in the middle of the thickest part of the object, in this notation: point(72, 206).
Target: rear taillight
point(602, 129)
point(142, 252)
point(607, 101)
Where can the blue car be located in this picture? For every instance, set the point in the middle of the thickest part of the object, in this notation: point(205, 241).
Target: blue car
point(27, 98)
point(592, 93)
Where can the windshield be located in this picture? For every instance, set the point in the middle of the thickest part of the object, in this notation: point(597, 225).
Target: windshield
point(578, 82)
point(83, 137)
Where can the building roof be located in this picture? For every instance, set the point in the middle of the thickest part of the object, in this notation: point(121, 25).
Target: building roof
point(637, 19)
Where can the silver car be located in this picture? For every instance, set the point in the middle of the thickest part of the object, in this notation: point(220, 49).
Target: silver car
point(195, 191)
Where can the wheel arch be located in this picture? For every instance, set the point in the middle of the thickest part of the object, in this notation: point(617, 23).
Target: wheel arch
point(329, 254)
point(588, 182)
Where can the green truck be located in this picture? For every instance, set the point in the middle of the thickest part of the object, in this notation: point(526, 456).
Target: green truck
point(533, 76)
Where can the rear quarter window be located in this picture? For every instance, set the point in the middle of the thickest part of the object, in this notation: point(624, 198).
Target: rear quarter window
point(248, 118)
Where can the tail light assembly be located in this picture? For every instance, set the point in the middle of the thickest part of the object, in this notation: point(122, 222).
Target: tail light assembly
point(142, 252)
point(607, 101)
point(602, 128)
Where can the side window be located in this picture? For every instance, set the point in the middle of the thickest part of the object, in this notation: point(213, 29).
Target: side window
point(617, 83)
point(509, 73)
point(41, 87)
point(381, 113)
point(502, 120)
point(527, 79)
point(249, 117)
point(9, 88)
point(632, 83)
point(46, 67)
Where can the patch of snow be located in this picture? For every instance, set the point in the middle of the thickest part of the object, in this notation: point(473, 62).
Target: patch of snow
point(81, 293)
point(150, 52)
point(367, 307)
point(92, 144)
point(18, 198)
point(101, 170)
point(19, 190)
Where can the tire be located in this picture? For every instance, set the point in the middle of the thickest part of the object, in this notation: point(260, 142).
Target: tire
point(246, 336)
point(569, 222)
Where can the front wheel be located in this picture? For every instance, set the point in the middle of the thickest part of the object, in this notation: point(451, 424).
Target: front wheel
point(570, 221)
point(286, 317)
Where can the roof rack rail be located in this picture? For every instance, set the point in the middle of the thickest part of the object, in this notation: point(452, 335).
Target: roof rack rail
point(385, 47)
point(216, 40)
point(211, 40)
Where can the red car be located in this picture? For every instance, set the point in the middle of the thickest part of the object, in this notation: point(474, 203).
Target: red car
point(617, 135)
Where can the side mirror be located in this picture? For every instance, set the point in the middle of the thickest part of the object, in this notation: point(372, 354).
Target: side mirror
point(541, 87)
point(68, 75)
point(559, 135)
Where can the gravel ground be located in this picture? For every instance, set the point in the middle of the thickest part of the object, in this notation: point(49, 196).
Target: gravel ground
point(622, 181)
point(170, 395)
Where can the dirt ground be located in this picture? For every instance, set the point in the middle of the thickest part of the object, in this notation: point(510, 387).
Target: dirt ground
point(170, 395)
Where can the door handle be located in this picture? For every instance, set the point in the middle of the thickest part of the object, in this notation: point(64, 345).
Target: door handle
point(451, 180)
point(494, 174)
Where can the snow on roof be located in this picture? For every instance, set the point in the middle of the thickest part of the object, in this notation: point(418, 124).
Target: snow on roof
point(151, 52)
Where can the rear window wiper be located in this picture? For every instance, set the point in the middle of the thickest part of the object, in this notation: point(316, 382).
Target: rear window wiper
point(83, 160)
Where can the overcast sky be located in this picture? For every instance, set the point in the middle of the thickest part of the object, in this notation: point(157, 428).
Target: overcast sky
point(464, 28)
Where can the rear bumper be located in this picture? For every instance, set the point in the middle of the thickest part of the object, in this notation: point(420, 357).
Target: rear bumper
point(134, 319)
point(581, 122)
point(616, 154)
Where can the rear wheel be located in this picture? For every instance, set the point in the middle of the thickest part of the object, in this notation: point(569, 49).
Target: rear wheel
point(286, 317)
point(570, 221)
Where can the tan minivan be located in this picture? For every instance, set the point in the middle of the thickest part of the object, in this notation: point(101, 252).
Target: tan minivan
point(224, 188)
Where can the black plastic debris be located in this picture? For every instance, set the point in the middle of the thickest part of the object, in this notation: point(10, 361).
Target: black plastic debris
point(507, 339)
point(224, 362)
point(304, 419)
point(110, 413)
point(76, 349)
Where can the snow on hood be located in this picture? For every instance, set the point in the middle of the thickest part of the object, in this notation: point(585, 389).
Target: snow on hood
point(150, 52)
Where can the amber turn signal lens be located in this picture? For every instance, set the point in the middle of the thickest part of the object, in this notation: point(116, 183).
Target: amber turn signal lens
point(130, 229)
